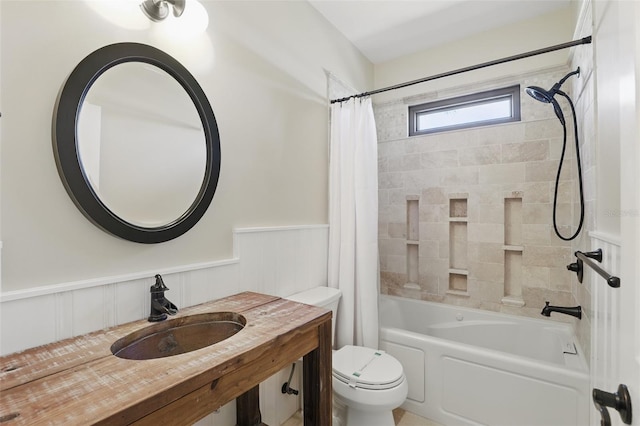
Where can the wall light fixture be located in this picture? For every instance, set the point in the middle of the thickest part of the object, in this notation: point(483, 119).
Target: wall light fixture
point(157, 10)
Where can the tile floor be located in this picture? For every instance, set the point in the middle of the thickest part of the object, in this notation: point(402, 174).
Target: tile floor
point(402, 418)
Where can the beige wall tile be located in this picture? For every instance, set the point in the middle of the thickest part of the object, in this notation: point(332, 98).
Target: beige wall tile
point(459, 175)
point(390, 180)
point(504, 133)
point(397, 196)
point(537, 296)
point(501, 173)
point(438, 159)
point(546, 171)
point(397, 230)
point(411, 162)
point(415, 181)
point(547, 256)
point(485, 291)
point(525, 151)
point(433, 213)
point(393, 246)
point(383, 197)
point(434, 195)
point(490, 272)
point(537, 192)
point(542, 129)
point(390, 149)
point(491, 213)
point(434, 231)
point(561, 279)
point(383, 230)
point(489, 252)
point(536, 234)
point(489, 154)
point(430, 250)
point(397, 264)
point(392, 213)
point(486, 232)
point(383, 164)
point(535, 276)
point(537, 213)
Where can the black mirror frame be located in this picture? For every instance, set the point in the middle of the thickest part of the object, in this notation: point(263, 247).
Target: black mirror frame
point(65, 144)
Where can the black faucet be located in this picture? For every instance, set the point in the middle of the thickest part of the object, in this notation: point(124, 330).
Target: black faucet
point(575, 311)
point(160, 306)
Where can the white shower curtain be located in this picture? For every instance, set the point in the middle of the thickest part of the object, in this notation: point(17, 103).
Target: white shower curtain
point(353, 221)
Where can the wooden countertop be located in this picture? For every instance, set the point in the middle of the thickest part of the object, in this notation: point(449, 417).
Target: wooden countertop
point(78, 381)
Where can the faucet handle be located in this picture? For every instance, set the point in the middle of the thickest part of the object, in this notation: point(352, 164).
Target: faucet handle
point(159, 286)
point(546, 311)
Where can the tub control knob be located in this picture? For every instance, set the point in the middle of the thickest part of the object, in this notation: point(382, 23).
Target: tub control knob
point(459, 317)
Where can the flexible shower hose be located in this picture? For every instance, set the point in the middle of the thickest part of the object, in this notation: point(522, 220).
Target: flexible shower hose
point(555, 195)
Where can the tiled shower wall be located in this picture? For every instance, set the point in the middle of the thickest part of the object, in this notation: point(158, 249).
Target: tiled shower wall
point(466, 216)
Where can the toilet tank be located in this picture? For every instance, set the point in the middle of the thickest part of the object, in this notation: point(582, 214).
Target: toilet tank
point(324, 297)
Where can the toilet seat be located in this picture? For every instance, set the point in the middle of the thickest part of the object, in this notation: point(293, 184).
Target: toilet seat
point(366, 368)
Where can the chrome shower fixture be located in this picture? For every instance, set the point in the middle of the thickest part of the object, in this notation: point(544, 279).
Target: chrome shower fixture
point(157, 10)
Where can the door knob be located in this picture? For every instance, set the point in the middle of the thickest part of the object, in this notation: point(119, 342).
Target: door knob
point(621, 401)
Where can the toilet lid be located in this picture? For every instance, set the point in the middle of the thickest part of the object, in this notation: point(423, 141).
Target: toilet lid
point(366, 368)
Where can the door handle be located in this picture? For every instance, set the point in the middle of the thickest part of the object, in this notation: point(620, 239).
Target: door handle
point(620, 400)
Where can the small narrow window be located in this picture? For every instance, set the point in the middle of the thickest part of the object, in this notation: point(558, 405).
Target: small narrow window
point(478, 109)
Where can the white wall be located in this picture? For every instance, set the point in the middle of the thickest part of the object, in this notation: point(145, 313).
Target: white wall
point(261, 64)
point(615, 311)
point(535, 33)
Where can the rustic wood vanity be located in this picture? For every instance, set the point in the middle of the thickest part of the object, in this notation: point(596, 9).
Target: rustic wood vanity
point(78, 381)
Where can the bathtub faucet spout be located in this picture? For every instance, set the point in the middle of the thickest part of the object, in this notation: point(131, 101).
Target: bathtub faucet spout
point(575, 311)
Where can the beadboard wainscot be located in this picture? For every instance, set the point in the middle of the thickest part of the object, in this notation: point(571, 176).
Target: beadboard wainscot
point(278, 261)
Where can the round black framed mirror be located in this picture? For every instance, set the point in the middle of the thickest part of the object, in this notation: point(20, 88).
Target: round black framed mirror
point(136, 143)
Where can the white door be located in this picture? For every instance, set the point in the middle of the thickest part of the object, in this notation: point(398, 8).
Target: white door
point(616, 312)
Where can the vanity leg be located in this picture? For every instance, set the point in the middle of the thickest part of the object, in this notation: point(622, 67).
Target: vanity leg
point(248, 408)
point(317, 390)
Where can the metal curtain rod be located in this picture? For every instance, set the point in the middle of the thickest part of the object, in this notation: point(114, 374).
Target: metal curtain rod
point(585, 40)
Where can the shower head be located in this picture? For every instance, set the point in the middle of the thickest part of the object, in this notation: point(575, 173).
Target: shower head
point(539, 94)
point(547, 96)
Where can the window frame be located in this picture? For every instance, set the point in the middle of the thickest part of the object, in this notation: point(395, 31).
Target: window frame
point(512, 92)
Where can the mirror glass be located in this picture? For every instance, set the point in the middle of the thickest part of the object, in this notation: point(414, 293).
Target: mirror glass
point(141, 144)
point(136, 143)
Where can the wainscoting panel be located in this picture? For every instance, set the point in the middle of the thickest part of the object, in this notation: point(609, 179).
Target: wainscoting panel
point(282, 261)
point(278, 261)
point(605, 317)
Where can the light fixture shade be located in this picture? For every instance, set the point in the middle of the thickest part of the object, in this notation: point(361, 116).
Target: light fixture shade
point(157, 10)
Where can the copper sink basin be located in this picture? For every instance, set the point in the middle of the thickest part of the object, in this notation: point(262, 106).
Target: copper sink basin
point(178, 336)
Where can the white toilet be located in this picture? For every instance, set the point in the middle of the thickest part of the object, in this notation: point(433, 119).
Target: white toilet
point(367, 383)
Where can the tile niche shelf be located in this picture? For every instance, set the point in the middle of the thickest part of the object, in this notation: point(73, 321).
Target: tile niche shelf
point(513, 250)
point(458, 219)
point(413, 242)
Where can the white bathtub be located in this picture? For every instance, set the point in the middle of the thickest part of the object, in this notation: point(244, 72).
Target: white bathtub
point(469, 367)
